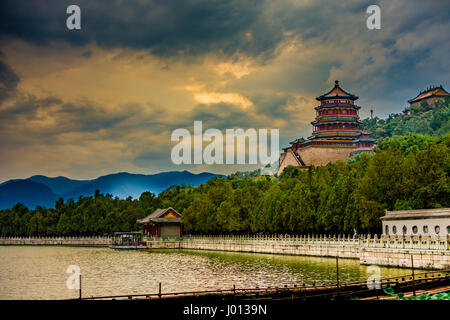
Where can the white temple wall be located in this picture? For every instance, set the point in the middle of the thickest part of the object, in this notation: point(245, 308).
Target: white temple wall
point(442, 223)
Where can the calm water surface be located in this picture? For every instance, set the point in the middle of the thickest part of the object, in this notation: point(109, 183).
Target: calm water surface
point(31, 272)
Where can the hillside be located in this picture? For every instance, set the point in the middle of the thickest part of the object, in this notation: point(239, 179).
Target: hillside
point(28, 192)
point(59, 185)
point(125, 184)
point(426, 119)
point(44, 191)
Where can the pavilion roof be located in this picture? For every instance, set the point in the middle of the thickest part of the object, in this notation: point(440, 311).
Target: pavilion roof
point(158, 216)
point(337, 92)
point(430, 92)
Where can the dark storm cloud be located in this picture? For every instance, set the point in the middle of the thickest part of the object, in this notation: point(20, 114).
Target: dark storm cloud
point(164, 27)
point(169, 28)
point(8, 80)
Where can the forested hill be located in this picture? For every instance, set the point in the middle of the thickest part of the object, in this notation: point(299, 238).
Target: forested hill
point(406, 172)
point(426, 119)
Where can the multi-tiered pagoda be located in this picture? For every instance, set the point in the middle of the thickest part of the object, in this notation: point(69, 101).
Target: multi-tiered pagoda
point(336, 133)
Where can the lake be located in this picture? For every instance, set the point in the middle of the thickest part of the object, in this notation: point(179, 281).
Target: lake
point(39, 272)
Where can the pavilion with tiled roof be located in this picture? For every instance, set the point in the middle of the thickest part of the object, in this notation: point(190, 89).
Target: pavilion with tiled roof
point(162, 223)
point(336, 133)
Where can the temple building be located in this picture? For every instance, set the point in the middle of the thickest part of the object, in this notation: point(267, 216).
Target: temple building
point(337, 133)
point(429, 96)
point(425, 222)
point(162, 223)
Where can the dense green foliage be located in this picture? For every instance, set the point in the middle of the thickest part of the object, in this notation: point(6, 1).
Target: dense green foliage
point(425, 119)
point(87, 216)
point(405, 172)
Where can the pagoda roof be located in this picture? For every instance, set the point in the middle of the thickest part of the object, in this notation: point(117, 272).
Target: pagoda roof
point(337, 106)
point(334, 119)
point(337, 92)
point(430, 92)
point(333, 134)
point(335, 138)
point(298, 140)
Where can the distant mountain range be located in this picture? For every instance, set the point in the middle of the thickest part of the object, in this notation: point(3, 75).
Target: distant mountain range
point(44, 191)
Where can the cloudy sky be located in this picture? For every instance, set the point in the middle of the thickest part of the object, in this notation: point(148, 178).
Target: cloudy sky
point(106, 98)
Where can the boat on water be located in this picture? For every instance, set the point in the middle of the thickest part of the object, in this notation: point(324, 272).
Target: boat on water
point(128, 240)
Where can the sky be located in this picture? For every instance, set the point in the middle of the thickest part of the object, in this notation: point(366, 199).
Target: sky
point(106, 98)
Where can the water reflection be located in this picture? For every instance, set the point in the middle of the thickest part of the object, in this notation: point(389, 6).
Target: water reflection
point(30, 272)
